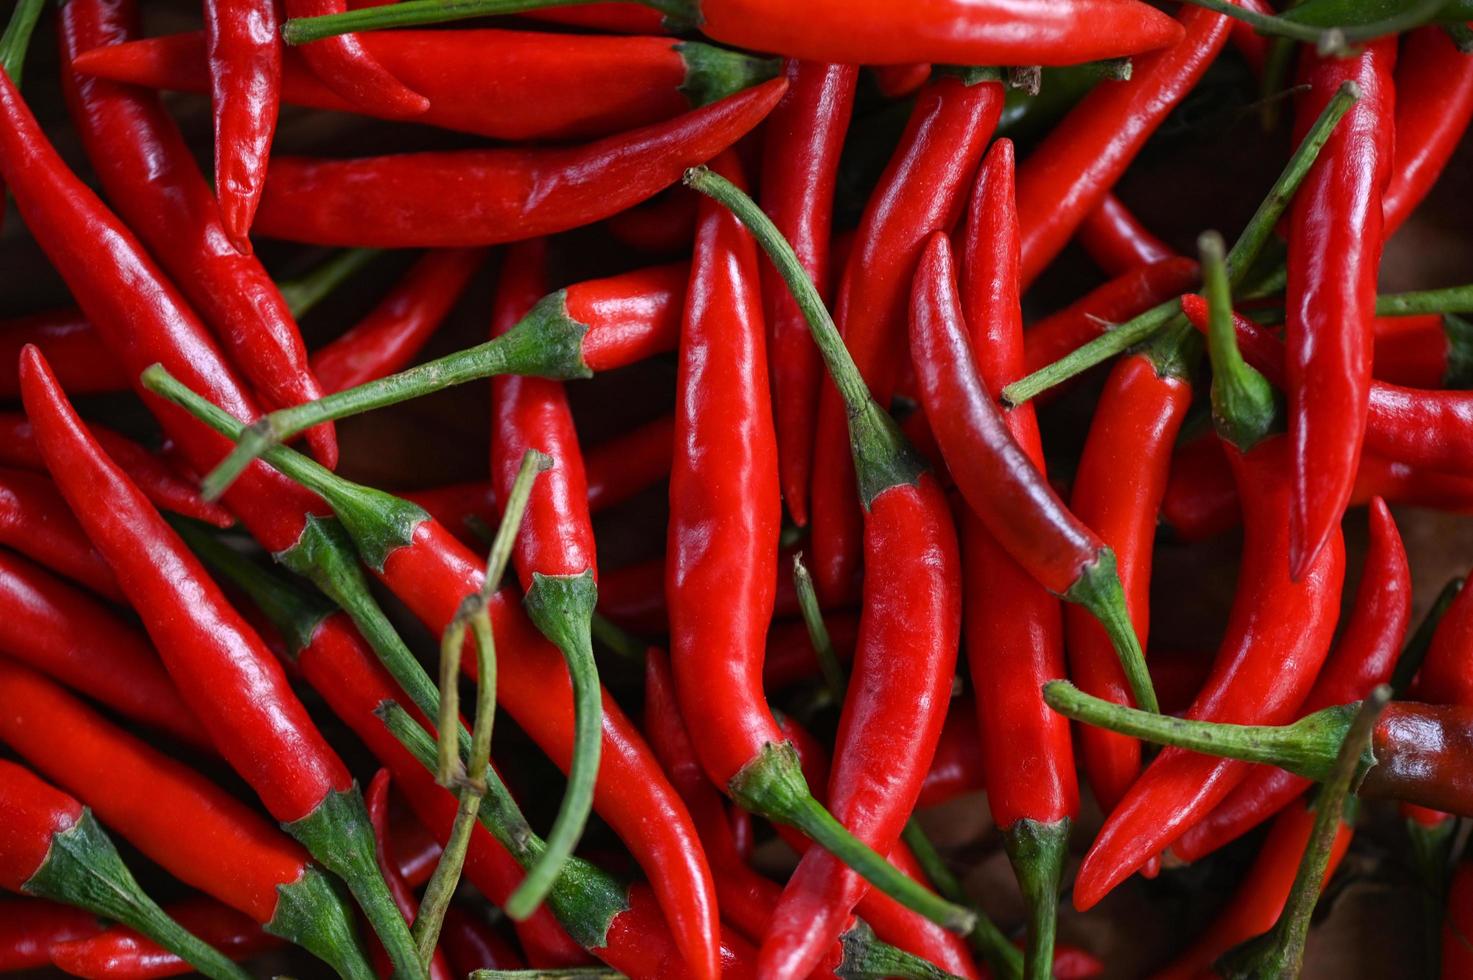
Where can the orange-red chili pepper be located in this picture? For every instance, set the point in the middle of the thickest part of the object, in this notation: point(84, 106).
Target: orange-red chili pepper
point(1117, 241)
point(242, 52)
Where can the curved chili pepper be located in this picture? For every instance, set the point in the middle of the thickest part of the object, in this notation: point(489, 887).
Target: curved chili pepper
point(922, 191)
point(149, 173)
point(1117, 241)
point(393, 332)
point(120, 953)
point(1457, 926)
point(508, 85)
point(470, 943)
point(956, 768)
point(243, 58)
point(1067, 175)
point(376, 801)
point(229, 852)
point(35, 520)
point(1364, 657)
point(348, 69)
point(483, 197)
point(800, 164)
point(1434, 102)
point(30, 926)
point(215, 658)
point(1337, 212)
point(69, 341)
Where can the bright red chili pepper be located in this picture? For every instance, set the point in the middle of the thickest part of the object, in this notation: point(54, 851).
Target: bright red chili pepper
point(508, 85)
point(69, 342)
point(149, 173)
point(376, 799)
point(29, 927)
point(665, 223)
point(1117, 241)
point(120, 953)
point(800, 164)
point(1277, 635)
point(243, 54)
point(344, 65)
point(482, 197)
point(393, 332)
point(1457, 926)
point(35, 520)
point(1363, 658)
point(470, 943)
point(34, 813)
point(922, 191)
point(1434, 101)
point(1334, 255)
point(1067, 175)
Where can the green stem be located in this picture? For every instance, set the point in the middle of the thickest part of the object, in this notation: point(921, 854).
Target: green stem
point(570, 973)
point(1242, 401)
point(17, 38)
point(1099, 591)
point(411, 13)
point(1453, 299)
point(312, 913)
point(628, 646)
point(450, 766)
point(818, 633)
point(1005, 959)
point(1432, 857)
point(1037, 851)
point(1416, 649)
point(1266, 24)
point(712, 73)
point(303, 293)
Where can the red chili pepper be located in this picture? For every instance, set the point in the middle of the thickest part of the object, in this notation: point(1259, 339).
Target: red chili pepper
point(345, 66)
point(424, 199)
point(790, 657)
point(243, 53)
point(665, 223)
point(508, 85)
point(389, 337)
point(149, 173)
point(899, 81)
point(1117, 241)
point(1334, 255)
point(69, 341)
point(470, 943)
point(956, 768)
point(376, 799)
point(413, 849)
point(30, 926)
point(1253, 46)
point(922, 191)
point(1434, 102)
point(35, 520)
point(215, 658)
point(120, 953)
point(800, 164)
point(1364, 657)
point(1457, 927)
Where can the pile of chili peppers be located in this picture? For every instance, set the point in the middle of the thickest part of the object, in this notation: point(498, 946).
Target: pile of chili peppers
point(799, 529)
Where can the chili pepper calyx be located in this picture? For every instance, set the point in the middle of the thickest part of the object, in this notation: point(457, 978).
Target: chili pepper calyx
point(866, 958)
point(1098, 590)
point(311, 912)
point(1243, 406)
point(713, 73)
point(1037, 851)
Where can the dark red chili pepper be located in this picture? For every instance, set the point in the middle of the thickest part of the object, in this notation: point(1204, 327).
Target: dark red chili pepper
point(243, 56)
point(35, 520)
point(413, 849)
point(1067, 175)
point(482, 197)
point(508, 85)
point(922, 191)
point(389, 337)
point(121, 953)
point(30, 926)
point(1457, 926)
point(149, 173)
point(956, 768)
point(899, 81)
point(69, 342)
point(790, 657)
point(1434, 101)
point(215, 658)
point(376, 799)
point(1253, 46)
point(193, 829)
point(1334, 255)
point(470, 943)
point(345, 66)
point(800, 164)
point(1364, 657)
point(666, 223)
point(1117, 241)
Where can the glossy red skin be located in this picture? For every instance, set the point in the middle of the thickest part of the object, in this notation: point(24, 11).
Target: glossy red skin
point(394, 331)
point(1117, 241)
point(904, 661)
point(922, 191)
point(1334, 256)
point(31, 813)
point(63, 632)
point(508, 85)
point(1364, 657)
point(953, 32)
point(470, 943)
point(638, 944)
point(139, 315)
point(484, 197)
point(36, 521)
point(1410, 350)
point(1067, 175)
point(1434, 102)
point(1014, 628)
point(344, 64)
point(1457, 926)
point(376, 800)
point(150, 175)
point(630, 316)
point(1277, 635)
point(1422, 754)
point(800, 164)
point(1260, 897)
point(243, 61)
point(229, 851)
point(119, 953)
point(996, 475)
point(1118, 489)
point(665, 223)
point(212, 654)
point(153, 475)
point(1446, 677)
point(556, 536)
point(790, 657)
point(956, 768)
point(29, 927)
point(70, 343)
point(432, 575)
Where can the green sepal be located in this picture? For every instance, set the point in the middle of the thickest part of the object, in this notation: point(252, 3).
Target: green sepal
point(883, 458)
point(712, 73)
point(547, 342)
point(313, 913)
point(867, 958)
point(1037, 851)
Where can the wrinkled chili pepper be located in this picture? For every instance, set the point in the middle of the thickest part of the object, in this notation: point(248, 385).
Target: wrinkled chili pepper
point(483, 197)
point(1117, 241)
point(120, 953)
point(35, 521)
point(1434, 102)
point(345, 66)
point(69, 342)
point(242, 56)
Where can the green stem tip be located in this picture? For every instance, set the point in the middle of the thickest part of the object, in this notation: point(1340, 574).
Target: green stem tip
point(1099, 591)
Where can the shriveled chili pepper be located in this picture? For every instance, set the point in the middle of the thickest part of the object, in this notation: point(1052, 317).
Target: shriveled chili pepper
point(376, 800)
point(509, 85)
point(1363, 658)
point(483, 197)
point(393, 332)
point(1117, 241)
point(1434, 102)
point(800, 164)
point(215, 658)
point(150, 175)
point(30, 926)
point(68, 341)
point(35, 520)
point(921, 191)
point(348, 69)
point(242, 58)
point(51, 847)
point(470, 943)
point(120, 953)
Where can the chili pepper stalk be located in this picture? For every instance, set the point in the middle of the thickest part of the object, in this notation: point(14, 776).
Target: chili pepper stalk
point(1242, 400)
point(306, 291)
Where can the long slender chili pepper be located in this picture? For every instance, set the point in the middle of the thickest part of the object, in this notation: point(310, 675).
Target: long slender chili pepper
point(1117, 241)
point(152, 178)
point(35, 520)
point(215, 657)
point(470, 943)
point(242, 57)
point(350, 70)
point(1336, 213)
point(228, 852)
point(1434, 102)
point(1363, 658)
point(389, 337)
point(120, 953)
point(483, 197)
point(1067, 176)
point(800, 163)
point(905, 655)
point(376, 800)
point(51, 847)
point(69, 342)
point(412, 848)
point(30, 926)
point(922, 191)
point(510, 85)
